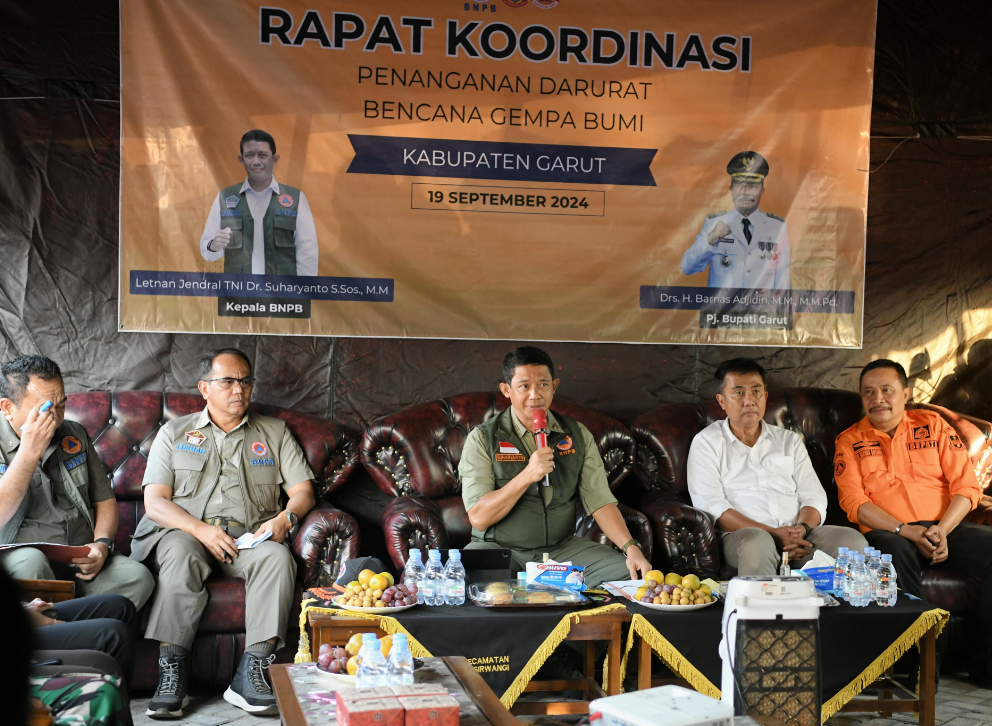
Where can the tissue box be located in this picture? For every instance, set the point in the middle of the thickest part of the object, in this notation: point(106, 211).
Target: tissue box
point(430, 711)
point(370, 712)
point(562, 577)
point(822, 577)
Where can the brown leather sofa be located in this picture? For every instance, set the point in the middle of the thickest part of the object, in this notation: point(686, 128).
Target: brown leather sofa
point(413, 456)
point(685, 538)
point(123, 425)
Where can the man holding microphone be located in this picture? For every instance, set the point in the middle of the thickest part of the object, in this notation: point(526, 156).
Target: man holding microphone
point(509, 502)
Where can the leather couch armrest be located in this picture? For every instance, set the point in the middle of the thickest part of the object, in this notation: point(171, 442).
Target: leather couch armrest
point(326, 535)
point(412, 522)
point(685, 539)
point(637, 523)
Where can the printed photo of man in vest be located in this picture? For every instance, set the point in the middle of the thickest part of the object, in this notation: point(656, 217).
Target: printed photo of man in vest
point(502, 473)
point(211, 477)
point(259, 226)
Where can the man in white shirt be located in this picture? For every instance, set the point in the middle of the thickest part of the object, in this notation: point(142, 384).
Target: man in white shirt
point(757, 483)
point(261, 227)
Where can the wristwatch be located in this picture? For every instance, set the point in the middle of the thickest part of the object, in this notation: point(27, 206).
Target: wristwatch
point(901, 525)
point(806, 527)
point(291, 516)
point(627, 545)
point(106, 541)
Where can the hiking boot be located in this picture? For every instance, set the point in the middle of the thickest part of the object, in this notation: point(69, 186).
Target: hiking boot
point(250, 689)
point(170, 697)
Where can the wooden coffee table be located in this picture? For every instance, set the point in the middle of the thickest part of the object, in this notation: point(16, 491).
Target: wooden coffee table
point(462, 676)
point(337, 629)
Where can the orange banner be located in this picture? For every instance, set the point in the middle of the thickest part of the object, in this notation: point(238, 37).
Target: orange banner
point(520, 169)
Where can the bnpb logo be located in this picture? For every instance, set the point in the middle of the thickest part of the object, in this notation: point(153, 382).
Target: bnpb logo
point(259, 448)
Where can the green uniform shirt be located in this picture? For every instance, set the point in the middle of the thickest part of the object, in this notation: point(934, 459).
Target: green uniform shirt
point(476, 468)
point(51, 516)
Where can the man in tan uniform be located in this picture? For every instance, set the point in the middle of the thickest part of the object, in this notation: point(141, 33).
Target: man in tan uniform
point(211, 477)
point(54, 489)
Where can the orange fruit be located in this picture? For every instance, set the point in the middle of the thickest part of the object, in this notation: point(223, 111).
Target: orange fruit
point(386, 644)
point(378, 582)
point(353, 665)
point(364, 576)
point(354, 644)
point(388, 577)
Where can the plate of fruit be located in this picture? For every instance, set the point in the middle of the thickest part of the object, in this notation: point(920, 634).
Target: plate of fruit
point(339, 662)
point(376, 593)
point(672, 592)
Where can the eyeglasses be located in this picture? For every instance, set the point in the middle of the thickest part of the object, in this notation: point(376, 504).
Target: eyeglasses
point(226, 383)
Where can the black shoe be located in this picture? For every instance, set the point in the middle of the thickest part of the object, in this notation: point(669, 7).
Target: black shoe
point(250, 689)
point(170, 697)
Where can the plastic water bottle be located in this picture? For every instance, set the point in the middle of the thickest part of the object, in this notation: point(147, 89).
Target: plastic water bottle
point(873, 564)
point(454, 579)
point(399, 669)
point(887, 579)
point(372, 671)
point(414, 572)
point(848, 566)
point(860, 586)
point(366, 639)
point(840, 573)
point(433, 579)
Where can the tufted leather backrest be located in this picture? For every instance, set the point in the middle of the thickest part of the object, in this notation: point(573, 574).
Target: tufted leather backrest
point(416, 451)
point(817, 414)
point(123, 425)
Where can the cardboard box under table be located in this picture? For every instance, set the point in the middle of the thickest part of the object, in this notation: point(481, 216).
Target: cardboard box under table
point(506, 646)
point(858, 647)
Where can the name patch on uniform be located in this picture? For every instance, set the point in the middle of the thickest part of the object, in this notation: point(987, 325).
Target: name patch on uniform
point(913, 445)
point(71, 445)
point(956, 442)
point(921, 432)
point(235, 213)
point(232, 202)
point(259, 448)
point(565, 443)
point(868, 448)
point(75, 461)
point(191, 449)
point(510, 457)
point(195, 437)
point(263, 462)
point(285, 200)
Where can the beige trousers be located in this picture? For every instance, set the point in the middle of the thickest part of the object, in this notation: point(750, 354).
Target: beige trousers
point(753, 551)
point(182, 564)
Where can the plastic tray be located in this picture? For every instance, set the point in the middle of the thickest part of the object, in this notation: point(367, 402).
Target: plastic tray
point(514, 594)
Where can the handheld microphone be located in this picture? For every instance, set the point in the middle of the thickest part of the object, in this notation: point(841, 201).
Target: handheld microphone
point(541, 436)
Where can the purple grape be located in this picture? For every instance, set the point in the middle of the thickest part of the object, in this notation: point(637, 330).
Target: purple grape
point(412, 589)
point(668, 588)
point(335, 666)
point(340, 653)
point(325, 648)
point(651, 583)
point(324, 660)
point(387, 597)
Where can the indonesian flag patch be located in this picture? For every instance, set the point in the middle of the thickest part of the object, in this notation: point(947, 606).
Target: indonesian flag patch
point(505, 447)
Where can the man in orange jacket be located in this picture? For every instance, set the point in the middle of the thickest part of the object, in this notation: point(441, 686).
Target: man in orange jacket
point(906, 479)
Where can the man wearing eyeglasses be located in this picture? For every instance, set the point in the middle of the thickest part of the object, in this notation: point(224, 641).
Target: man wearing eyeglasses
point(744, 247)
point(211, 477)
